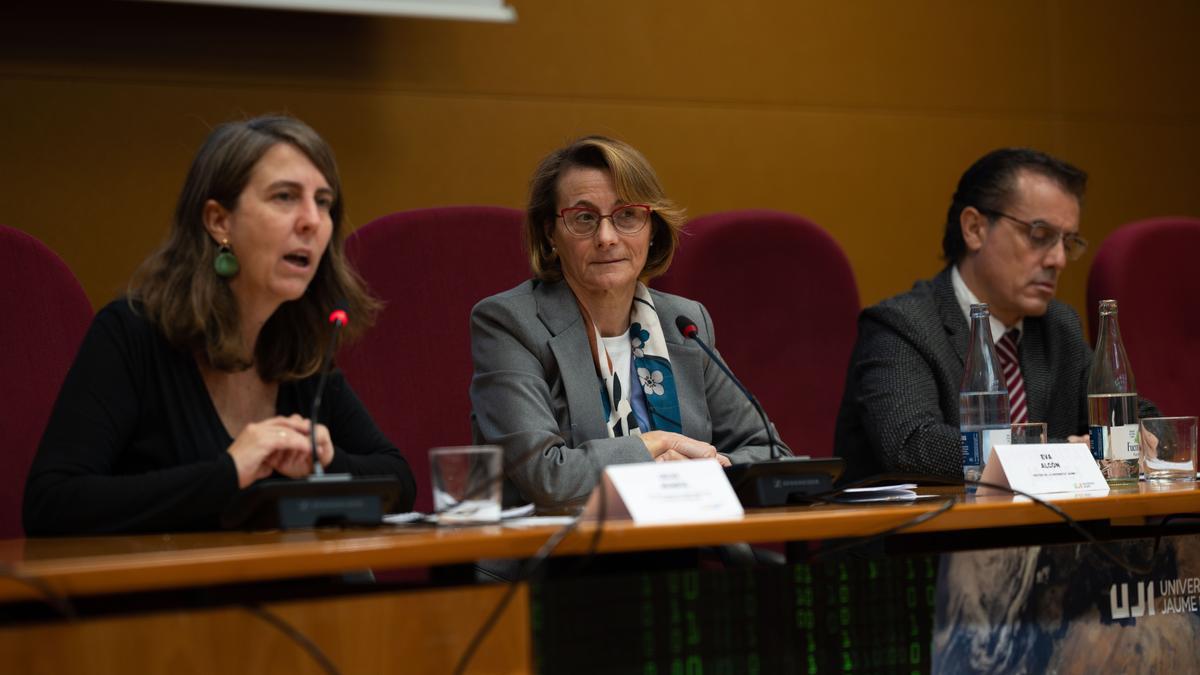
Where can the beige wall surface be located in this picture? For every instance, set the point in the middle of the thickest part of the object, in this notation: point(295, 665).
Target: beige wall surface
point(860, 115)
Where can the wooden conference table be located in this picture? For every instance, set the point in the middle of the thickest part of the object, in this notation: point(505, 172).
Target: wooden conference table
point(394, 629)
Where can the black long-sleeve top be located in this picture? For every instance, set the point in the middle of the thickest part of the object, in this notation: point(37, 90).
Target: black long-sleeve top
point(135, 444)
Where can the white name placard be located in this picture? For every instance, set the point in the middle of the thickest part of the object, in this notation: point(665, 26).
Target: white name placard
point(1045, 468)
point(675, 492)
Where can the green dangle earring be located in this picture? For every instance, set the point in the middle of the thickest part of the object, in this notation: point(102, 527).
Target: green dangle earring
point(226, 263)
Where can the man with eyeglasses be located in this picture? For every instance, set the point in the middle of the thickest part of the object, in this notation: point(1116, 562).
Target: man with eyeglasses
point(1012, 227)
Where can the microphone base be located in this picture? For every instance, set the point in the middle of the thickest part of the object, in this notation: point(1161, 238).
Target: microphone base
point(331, 499)
point(781, 482)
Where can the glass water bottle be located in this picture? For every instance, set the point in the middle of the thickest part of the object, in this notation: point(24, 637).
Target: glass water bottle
point(982, 398)
point(1112, 403)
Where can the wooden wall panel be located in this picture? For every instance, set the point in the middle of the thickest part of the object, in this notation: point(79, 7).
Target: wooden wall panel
point(858, 115)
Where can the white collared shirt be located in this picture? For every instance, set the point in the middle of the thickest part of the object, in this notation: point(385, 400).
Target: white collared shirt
point(966, 298)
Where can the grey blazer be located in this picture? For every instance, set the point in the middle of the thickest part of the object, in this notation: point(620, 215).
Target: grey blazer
point(535, 393)
point(899, 412)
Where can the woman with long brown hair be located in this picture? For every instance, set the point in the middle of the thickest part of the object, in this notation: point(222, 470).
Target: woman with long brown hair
point(198, 383)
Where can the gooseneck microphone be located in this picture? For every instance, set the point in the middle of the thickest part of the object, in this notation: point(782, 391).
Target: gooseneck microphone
point(338, 318)
point(781, 480)
point(689, 330)
point(320, 498)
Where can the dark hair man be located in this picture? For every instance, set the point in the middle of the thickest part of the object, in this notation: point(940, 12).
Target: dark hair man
point(1012, 227)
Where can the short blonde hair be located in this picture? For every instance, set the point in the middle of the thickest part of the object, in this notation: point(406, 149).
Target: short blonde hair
point(636, 183)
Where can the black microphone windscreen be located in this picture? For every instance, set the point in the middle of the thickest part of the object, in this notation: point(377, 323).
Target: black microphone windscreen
point(686, 326)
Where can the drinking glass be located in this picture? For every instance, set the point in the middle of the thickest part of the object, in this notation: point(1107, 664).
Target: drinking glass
point(1026, 433)
point(1169, 449)
point(466, 484)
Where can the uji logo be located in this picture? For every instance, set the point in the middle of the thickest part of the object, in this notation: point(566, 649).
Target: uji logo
point(1123, 610)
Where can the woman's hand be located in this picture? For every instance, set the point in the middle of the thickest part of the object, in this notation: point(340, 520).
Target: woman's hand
point(666, 446)
point(298, 467)
point(671, 455)
point(277, 444)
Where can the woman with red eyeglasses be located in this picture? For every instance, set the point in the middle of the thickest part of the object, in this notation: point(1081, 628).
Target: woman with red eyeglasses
point(583, 366)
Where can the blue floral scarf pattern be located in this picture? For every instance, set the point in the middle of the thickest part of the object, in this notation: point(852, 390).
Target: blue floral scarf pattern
point(652, 364)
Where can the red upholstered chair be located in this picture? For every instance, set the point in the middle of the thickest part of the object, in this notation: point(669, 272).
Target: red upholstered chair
point(413, 368)
point(1148, 267)
point(784, 304)
point(43, 316)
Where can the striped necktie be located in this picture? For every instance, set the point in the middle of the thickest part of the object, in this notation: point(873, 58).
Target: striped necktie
point(1006, 349)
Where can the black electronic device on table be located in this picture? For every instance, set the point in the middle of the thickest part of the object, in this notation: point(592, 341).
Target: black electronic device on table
point(779, 482)
point(332, 499)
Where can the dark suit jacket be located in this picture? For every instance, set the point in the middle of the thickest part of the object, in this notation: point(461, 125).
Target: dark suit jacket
point(535, 392)
point(900, 408)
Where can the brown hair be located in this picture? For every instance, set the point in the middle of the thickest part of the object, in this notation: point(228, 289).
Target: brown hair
point(636, 183)
point(178, 290)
